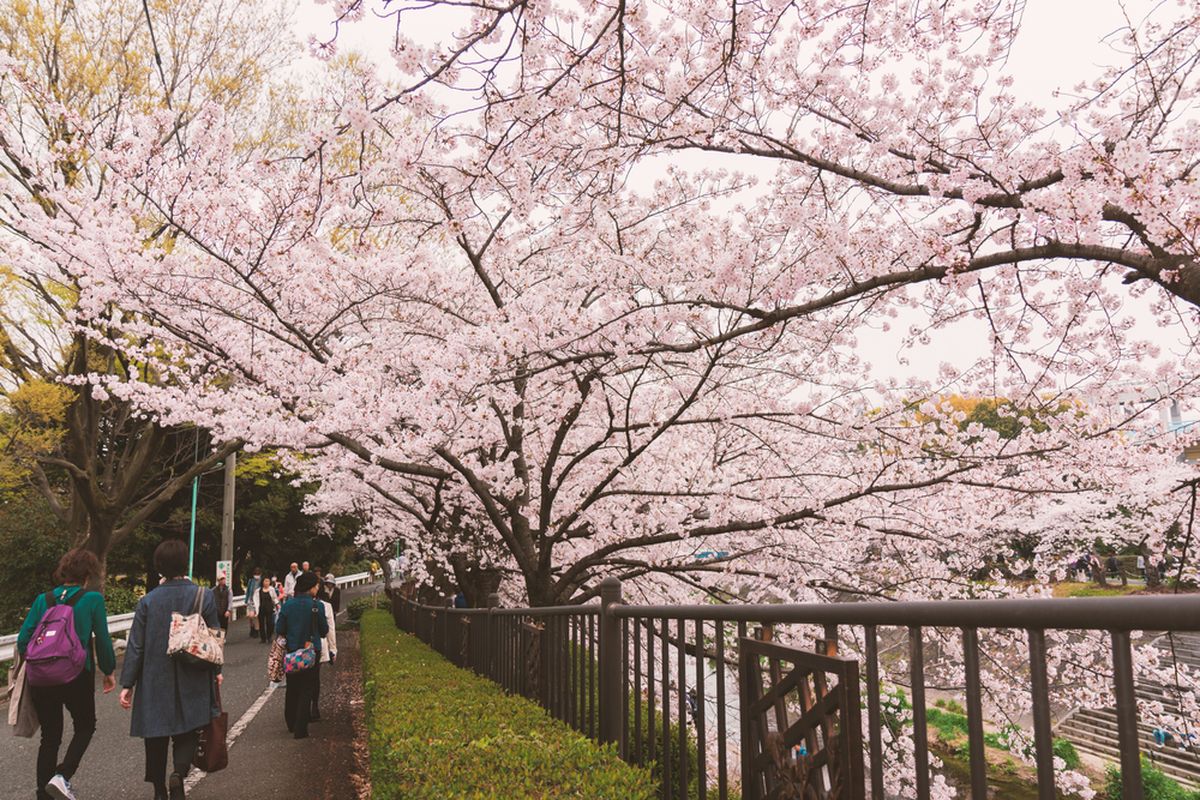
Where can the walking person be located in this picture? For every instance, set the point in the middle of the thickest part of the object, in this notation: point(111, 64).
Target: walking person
point(289, 581)
point(174, 698)
point(328, 646)
point(67, 621)
point(302, 622)
point(265, 601)
point(252, 590)
point(224, 602)
point(332, 594)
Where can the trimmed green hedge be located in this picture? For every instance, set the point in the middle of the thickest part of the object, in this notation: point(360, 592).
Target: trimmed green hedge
point(436, 731)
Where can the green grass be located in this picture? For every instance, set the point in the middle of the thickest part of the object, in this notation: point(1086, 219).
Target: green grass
point(436, 731)
point(1155, 785)
point(1079, 589)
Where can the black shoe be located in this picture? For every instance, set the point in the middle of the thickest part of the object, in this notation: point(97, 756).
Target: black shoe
point(175, 783)
point(300, 736)
point(160, 793)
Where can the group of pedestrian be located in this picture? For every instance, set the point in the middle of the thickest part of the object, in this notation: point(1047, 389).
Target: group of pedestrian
point(65, 640)
point(266, 594)
point(1093, 566)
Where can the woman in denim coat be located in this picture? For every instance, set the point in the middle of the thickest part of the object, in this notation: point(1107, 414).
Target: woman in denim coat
point(173, 698)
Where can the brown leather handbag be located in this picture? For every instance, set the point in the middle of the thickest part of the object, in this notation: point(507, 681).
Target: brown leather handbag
point(212, 754)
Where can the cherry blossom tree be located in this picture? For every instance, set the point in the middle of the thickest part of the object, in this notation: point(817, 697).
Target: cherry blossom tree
point(73, 73)
point(591, 282)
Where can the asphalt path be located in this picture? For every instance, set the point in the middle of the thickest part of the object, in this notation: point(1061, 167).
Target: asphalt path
point(265, 762)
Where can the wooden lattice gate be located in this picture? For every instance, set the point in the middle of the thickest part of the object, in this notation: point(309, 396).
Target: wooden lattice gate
point(801, 724)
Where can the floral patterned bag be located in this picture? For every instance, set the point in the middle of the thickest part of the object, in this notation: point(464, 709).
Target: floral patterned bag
point(275, 659)
point(305, 657)
point(192, 640)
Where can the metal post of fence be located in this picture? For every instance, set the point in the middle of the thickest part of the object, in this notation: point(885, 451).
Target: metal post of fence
point(612, 712)
point(445, 648)
point(490, 637)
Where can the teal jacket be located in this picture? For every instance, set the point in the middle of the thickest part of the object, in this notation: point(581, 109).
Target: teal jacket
point(296, 623)
point(91, 620)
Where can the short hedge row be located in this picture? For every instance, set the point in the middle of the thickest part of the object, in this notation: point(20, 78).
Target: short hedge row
point(436, 731)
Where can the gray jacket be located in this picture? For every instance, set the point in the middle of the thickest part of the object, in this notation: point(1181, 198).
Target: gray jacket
point(171, 696)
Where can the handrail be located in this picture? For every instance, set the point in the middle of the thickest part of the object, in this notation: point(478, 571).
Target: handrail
point(1158, 612)
point(119, 623)
point(1177, 612)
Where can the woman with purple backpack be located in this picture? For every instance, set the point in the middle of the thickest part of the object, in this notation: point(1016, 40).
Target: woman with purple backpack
point(56, 642)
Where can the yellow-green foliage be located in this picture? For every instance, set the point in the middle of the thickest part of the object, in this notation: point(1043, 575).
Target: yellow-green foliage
point(436, 731)
point(32, 423)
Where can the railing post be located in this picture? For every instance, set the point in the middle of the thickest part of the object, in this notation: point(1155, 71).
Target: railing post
point(612, 670)
point(1127, 715)
point(447, 604)
point(489, 638)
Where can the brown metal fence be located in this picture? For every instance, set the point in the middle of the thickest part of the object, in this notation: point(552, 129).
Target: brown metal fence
point(652, 681)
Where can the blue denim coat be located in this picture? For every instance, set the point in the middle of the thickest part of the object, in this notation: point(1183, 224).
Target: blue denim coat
point(170, 696)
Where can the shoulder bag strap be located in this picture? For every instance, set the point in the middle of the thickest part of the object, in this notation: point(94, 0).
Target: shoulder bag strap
point(199, 599)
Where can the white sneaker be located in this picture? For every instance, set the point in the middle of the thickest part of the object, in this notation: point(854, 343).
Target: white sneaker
point(61, 787)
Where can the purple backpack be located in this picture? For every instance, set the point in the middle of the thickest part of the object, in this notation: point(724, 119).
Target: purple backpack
point(54, 656)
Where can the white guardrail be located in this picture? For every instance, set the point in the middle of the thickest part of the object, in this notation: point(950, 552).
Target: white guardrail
point(119, 623)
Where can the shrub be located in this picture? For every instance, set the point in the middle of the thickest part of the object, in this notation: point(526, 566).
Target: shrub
point(1067, 752)
point(436, 731)
point(949, 725)
point(953, 706)
point(1156, 785)
point(360, 605)
point(119, 598)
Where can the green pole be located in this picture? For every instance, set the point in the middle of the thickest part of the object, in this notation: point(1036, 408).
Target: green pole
point(192, 539)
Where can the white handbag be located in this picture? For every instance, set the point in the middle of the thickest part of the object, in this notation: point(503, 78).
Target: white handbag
point(192, 640)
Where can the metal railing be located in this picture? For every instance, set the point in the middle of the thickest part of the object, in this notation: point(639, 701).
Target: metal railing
point(119, 623)
point(653, 680)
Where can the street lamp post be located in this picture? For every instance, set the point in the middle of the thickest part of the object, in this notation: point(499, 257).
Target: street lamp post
point(230, 467)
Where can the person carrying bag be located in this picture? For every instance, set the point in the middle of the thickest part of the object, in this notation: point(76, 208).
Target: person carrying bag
point(63, 629)
point(174, 667)
point(302, 625)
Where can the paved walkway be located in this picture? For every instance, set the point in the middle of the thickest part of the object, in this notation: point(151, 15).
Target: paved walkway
point(265, 762)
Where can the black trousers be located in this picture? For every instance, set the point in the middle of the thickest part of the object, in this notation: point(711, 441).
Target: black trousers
point(298, 700)
point(266, 625)
point(79, 698)
point(156, 756)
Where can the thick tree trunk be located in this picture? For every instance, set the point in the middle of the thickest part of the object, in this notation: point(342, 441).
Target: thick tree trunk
point(99, 542)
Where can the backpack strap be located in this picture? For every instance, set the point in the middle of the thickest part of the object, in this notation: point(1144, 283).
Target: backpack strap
point(52, 601)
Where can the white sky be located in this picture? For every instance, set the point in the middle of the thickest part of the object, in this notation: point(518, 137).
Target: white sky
point(1060, 45)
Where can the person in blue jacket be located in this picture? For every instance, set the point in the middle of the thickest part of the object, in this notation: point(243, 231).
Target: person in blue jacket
point(174, 699)
point(299, 624)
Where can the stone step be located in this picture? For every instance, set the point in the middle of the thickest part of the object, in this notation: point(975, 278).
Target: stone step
point(1186, 772)
point(1103, 731)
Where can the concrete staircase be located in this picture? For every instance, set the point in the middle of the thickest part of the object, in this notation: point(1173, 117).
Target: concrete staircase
point(1095, 731)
